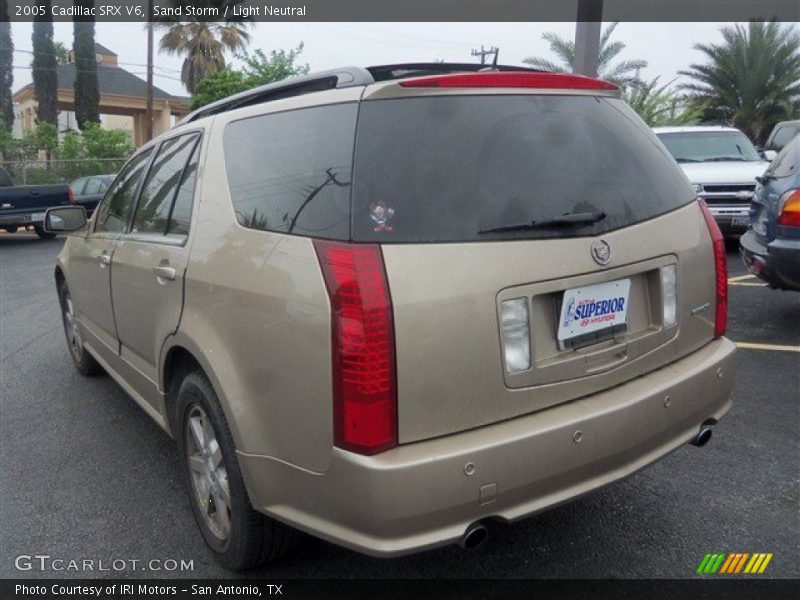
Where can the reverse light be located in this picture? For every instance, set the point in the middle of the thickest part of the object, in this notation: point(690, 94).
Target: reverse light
point(790, 211)
point(720, 272)
point(362, 328)
point(511, 79)
point(669, 296)
point(515, 325)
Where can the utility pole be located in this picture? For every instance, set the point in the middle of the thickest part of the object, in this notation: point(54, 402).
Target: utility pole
point(587, 37)
point(484, 53)
point(149, 110)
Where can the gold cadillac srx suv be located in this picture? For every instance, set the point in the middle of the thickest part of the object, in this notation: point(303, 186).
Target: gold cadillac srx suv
point(383, 305)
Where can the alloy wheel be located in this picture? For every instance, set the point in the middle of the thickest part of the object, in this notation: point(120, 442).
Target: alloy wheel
point(207, 472)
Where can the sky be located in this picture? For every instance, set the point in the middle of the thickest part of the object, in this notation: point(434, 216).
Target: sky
point(667, 47)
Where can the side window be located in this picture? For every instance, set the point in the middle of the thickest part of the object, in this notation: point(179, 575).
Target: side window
point(161, 185)
point(788, 160)
point(78, 186)
point(784, 135)
point(182, 208)
point(115, 210)
point(92, 187)
point(290, 172)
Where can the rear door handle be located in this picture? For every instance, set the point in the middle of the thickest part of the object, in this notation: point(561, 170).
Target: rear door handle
point(104, 258)
point(164, 272)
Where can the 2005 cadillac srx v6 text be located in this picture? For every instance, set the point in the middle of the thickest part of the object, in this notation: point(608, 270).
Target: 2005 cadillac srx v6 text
point(384, 305)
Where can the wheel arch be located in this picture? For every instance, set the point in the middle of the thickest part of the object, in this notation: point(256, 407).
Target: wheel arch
point(179, 357)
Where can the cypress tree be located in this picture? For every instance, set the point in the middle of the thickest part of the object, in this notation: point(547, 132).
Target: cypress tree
point(87, 93)
point(45, 79)
point(6, 69)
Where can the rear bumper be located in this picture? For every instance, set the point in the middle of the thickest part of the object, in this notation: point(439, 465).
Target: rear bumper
point(777, 263)
point(419, 496)
point(22, 219)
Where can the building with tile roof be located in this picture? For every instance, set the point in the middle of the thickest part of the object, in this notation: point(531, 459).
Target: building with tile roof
point(123, 99)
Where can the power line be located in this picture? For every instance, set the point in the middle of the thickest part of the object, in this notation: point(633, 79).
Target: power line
point(410, 36)
point(29, 68)
point(127, 64)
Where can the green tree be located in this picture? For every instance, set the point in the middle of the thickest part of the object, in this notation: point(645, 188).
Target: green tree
point(204, 45)
point(622, 73)
point(221, 84)
point(45, 80)
point(62, 52)
point(659, 106)
point(258, 69)
point(751, 79)
point(87, 91)
point(106, 143)
point(6, 70)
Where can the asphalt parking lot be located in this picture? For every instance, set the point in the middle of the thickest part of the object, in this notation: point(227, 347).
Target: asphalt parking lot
point(85, 474)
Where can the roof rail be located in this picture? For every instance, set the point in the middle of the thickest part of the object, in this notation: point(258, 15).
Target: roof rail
point(293, 86)
point(338, 78)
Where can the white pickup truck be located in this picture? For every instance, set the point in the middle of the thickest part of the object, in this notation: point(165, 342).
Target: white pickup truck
point(722, 164)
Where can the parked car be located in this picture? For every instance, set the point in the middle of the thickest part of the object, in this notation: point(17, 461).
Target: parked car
point(88, 191)
point(771, 247)
point(781, 135)
point(24, 205)
point(496, 294)
point(722, 165)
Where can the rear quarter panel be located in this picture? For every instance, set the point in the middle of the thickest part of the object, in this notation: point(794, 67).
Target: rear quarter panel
point(257, 311)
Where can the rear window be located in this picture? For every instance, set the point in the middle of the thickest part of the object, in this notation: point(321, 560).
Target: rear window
point(440, 169)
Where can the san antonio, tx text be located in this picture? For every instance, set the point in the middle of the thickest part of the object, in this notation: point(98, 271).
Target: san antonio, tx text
point(130, 589)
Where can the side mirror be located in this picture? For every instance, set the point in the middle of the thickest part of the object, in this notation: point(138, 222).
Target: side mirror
point(770, 155)
point(65, 219)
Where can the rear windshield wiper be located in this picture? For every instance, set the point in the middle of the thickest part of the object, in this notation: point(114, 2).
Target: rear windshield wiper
point(565, 220)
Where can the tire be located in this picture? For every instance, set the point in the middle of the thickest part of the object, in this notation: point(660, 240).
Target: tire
point(10, 228)
point(84, 362)
point(250, 538)
point(43, 235)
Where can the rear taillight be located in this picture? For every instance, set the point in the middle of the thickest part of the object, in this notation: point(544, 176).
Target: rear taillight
point(721, 271)
point(362, 327)
point(790, 211)
point(511, 79)
point(70, 195)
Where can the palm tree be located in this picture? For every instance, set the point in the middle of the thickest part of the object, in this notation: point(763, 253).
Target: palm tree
point(752, 79)
point(623, 73)
point(659, 106)
point(204, 45)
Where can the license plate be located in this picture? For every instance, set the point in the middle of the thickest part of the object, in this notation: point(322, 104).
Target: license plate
point(740, 222)
point(593, 308)
point(36, 217)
